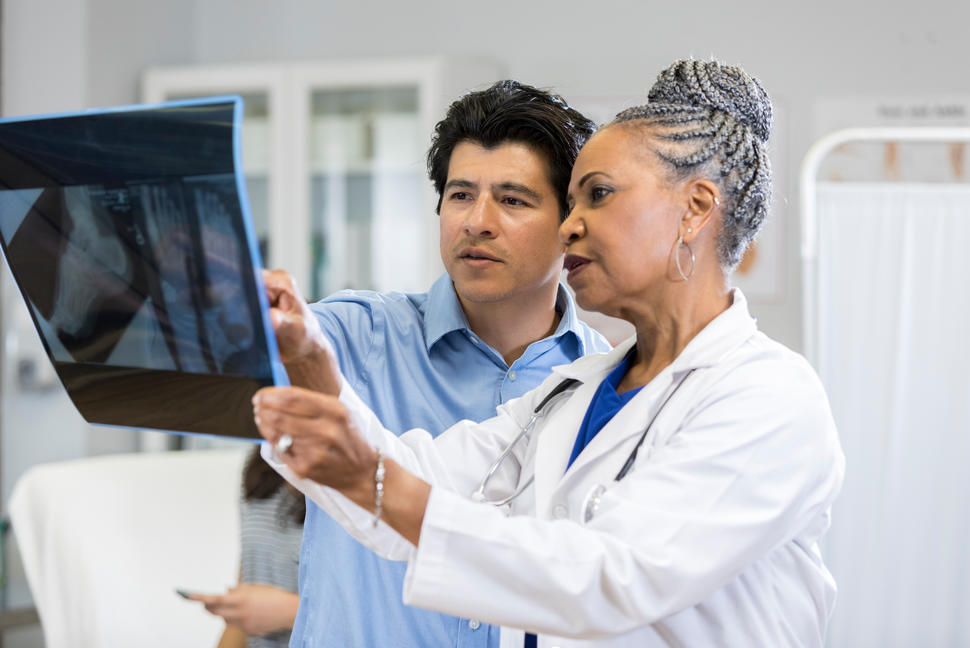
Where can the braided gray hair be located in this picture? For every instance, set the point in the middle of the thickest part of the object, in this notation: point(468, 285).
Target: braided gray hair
point(714, 120)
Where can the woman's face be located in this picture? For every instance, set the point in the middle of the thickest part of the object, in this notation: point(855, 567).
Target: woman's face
point(623, 223)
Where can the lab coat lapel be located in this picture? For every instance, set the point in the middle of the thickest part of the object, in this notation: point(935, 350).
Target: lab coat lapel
point(627, 425)
point(559, 429)
point(555, 444)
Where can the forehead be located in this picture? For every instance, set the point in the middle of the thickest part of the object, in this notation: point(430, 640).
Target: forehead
point(615, 149)
point(506, 162)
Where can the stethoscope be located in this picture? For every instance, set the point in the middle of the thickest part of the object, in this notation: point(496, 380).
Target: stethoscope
point(592, 501)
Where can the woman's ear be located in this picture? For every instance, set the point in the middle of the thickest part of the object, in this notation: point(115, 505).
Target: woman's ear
point(703, 201)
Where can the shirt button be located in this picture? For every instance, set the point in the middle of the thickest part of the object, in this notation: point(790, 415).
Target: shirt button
point(559, 511)
point(474, 339)
point(512, 375)
point(474, 624)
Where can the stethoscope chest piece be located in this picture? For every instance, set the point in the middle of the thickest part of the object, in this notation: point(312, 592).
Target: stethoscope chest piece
point(591, 504)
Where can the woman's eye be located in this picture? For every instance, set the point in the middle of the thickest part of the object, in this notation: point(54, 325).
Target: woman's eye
point(598, 193)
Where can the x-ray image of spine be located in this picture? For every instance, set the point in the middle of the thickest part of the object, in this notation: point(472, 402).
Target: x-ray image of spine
point(229, 322)
point(201, 302)
point(175, 275)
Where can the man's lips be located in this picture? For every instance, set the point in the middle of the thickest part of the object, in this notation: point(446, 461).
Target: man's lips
point(474, 254)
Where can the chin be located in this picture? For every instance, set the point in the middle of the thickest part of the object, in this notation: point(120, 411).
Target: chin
point(480, 296)
point(603, 307)
point(588, 304)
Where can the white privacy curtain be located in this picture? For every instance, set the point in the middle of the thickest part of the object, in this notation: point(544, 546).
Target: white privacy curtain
point(894, 353)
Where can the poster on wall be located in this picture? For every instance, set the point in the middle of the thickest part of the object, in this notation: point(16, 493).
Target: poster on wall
point(887, 161)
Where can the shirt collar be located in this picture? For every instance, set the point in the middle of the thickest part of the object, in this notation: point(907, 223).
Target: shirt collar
point(444, 314)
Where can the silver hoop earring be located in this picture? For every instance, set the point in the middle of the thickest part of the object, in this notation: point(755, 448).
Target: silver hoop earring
point(680, 243)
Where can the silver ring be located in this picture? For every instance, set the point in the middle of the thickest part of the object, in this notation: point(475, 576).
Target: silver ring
point(283, 444)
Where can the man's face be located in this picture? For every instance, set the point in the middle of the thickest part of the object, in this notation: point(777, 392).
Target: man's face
point(499, 224)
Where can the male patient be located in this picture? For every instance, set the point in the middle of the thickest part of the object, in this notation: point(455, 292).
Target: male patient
point(486, 332)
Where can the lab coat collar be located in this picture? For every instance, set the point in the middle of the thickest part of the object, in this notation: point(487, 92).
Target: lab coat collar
point(444, 314)
point(721, 336)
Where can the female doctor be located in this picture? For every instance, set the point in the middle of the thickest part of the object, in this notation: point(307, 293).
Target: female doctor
point(671, 492)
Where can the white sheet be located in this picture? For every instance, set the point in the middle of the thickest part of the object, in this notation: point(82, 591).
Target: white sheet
point(106, 540)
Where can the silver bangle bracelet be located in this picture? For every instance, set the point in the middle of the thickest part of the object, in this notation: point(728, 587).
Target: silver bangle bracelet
point(379, 488)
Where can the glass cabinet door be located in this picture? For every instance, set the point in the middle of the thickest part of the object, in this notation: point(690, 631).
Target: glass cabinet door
point(334, 155)
point(367, 172)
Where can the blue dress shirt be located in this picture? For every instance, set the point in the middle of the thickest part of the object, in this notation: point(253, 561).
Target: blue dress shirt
point(413, 359)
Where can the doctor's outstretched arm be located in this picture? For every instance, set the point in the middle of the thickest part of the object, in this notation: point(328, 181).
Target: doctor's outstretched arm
point(333, 459)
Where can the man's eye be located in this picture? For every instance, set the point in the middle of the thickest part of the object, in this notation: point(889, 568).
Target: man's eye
point(516, 202)
point(460, 195)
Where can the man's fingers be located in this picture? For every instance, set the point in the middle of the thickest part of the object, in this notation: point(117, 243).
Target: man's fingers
point(281, 289)
point(284, 323)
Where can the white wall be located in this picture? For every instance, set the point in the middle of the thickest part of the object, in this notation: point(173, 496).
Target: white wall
point(616, 47)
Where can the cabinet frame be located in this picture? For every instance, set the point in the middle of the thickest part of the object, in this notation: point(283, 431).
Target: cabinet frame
point(288, 87)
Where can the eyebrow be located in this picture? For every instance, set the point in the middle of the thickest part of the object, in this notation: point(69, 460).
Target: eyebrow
point(589, 175)
point(459, 183)
point(518, 188)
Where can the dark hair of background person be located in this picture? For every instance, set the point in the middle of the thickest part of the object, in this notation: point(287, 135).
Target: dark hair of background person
point(510, 111)
point(260, 481)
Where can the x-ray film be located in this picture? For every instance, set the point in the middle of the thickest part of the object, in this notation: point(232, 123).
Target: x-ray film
point(128, 233)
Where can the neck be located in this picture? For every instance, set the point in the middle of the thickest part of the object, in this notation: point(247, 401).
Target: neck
point(510, 326)
point(666, 325)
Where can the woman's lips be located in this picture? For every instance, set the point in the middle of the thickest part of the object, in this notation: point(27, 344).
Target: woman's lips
point(574, 264)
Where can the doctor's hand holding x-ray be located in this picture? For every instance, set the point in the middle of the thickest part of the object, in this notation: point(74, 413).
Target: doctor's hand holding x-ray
point(670, 492)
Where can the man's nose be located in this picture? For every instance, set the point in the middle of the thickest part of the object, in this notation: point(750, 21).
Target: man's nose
point(480, 220)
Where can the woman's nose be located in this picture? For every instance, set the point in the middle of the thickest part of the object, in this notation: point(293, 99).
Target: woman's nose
point(572, 229)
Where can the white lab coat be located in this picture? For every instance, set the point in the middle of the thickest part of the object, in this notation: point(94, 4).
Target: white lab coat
point(711, 539)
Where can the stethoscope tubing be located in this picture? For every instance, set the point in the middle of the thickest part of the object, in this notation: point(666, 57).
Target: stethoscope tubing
point(479, 494)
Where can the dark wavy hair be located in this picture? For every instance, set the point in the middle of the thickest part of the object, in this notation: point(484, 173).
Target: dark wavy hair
point(510, 111)
point(260, 481)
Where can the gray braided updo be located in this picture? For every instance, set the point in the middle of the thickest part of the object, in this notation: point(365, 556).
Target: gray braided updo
point(714, 120)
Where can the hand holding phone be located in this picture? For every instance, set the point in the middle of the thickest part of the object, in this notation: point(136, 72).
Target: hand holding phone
point(193, 596)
